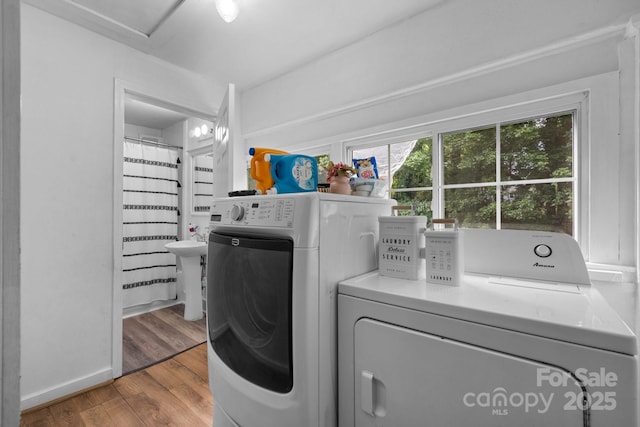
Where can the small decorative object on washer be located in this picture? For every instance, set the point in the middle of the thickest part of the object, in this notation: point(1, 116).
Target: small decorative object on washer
point(368, 187)
point(339, 185)
point(367, 168)
point(338, 175)
point(443, 252)
point(401, 245)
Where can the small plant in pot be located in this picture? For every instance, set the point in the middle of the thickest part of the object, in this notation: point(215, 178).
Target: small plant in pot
point(338, 175)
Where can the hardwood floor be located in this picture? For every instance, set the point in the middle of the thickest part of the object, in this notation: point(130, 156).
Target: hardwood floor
point(174, 392)
point(152, 337)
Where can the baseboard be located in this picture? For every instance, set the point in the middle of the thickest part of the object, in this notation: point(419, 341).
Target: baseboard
point(152, 306)
point(66, 390)
point(63, 398)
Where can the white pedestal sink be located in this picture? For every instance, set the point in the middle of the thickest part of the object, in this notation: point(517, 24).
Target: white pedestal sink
point(190, 252)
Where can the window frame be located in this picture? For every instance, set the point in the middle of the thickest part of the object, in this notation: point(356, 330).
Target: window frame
point(491, 114)
point(438, 204)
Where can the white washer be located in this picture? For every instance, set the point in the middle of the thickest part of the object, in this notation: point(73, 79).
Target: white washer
point(273, 268)
point(496, 350)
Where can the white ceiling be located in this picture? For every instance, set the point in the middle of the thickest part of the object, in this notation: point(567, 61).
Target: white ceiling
point(269, 37)
point(142, 113)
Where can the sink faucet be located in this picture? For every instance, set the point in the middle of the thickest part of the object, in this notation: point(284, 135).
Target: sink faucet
point(193, 229)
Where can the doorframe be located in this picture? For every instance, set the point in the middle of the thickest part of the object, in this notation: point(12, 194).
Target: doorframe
point(10, 212)
point(122, 89)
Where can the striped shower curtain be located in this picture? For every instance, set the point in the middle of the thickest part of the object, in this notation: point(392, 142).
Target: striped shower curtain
point(202, 183)
point(150, 220)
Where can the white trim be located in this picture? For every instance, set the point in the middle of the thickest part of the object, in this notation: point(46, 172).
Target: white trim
point(65, 389)
point(611, 273)
point(559, 98)
point(10, 212)
point(187, 185)
point(633, 32)
point(94, 15)
point(629, 89)
point(523, 106)
point(637, 139)
point(147, 308)
point(118, 137)
point(93, 19)
point(480, 70)
point(582, 183)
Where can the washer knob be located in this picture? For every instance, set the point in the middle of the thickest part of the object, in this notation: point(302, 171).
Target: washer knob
point(237, 212)
point(543, 251)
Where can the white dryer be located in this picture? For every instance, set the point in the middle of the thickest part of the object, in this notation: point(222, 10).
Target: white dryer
point(274, 263)
point(516, 344)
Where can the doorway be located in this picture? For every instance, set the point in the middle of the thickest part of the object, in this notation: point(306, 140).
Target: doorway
point(151, 192)
point(161, 126)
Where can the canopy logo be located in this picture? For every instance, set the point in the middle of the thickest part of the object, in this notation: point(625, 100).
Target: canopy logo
point(570, 387)
point(499, 401)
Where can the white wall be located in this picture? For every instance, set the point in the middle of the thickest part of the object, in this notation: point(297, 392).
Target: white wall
point(67, 195)
point(452, 38)
point(465, 53)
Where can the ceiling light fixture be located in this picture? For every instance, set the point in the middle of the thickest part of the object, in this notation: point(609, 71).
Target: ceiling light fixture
point(228, 9)
point(200, 131)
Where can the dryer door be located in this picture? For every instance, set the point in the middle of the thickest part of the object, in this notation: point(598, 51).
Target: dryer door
point(408, 378)
point(249, 307)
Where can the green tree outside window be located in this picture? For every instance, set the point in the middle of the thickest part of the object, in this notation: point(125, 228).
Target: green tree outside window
point(528, 186)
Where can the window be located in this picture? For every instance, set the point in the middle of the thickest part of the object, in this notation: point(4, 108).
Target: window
point(507, 175)
point(323, 165)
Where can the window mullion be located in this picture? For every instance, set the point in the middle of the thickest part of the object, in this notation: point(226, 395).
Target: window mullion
point(388, 177)
point(498, 180)
point(437, 198)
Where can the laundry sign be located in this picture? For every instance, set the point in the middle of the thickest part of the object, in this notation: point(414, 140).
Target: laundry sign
point(400, 244)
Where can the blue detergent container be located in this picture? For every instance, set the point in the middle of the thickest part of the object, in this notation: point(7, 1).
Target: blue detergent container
point(293, 173)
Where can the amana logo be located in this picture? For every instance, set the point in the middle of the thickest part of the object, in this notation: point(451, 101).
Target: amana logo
point(537, 264)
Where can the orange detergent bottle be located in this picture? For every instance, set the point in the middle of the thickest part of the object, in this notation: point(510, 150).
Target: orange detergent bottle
point(261, 168)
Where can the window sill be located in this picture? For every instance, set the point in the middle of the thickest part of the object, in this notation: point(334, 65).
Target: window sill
point(611, 273)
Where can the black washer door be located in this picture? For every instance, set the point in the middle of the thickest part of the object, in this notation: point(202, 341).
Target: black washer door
point(249, 307)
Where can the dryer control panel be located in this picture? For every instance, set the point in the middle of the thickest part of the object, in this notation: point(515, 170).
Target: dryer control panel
point(250, 212)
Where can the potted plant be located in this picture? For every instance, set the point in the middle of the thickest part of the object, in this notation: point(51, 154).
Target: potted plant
point(338, 175)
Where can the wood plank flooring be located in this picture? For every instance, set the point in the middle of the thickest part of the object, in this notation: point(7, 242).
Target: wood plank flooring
point(171, 393)
point(152, 337)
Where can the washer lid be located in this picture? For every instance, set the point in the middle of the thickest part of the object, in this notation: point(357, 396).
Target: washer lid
point(570, 313)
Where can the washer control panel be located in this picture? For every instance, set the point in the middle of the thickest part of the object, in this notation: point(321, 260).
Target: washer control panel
point(529, 255)
point(250, 212)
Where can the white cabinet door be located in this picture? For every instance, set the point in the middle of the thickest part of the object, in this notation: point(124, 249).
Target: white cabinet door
point(408, 378)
